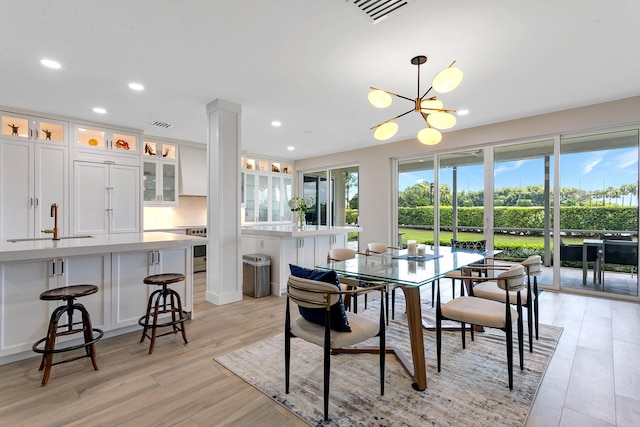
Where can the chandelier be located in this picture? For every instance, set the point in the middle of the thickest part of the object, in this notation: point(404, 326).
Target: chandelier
point(431, 109)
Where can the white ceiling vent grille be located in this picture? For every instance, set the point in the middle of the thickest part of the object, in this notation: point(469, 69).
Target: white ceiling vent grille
point(378, 10)
point(161, 124)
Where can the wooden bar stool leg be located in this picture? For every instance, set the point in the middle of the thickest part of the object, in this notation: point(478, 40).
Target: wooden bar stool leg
point(145, 327)
point(182, 328)
point(154, 329)
point(47, 356)
point(88, 335)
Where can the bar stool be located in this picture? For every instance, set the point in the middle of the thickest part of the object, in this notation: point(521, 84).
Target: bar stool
point(154, 309)
point(68, 294)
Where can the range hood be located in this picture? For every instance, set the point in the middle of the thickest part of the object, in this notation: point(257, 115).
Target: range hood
point(193, 171)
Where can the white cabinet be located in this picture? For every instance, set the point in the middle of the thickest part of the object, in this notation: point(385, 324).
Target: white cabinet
point(130, 295)
point(324, 243)
point(266, 197)
point(33, 176)
point(106, 198)
point(193, 171)
point(159, 174)
point(89, 139)
point(24, 317)
point(25, 127)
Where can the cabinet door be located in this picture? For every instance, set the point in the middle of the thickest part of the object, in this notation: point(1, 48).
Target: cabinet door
point(91, 270)
point(276, 199)
point(51, 183)
point(250, 198)
point(129, 295)
point(306, 252)
point(169, 184)
point(17, 201)
point(124, 193)
point(23, 316)
point(178, 260)
point(90, 184)
point(287, 193)
point(263, 198)
point(150, 182)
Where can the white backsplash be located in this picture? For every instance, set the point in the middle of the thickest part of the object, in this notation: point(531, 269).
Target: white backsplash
point(191, 211)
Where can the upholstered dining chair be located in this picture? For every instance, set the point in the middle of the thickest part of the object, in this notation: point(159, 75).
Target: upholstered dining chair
point(319, 297)
point(489, 289)
point(455, 274)
point(487, 313)
point(381, 248)
point(343, 254)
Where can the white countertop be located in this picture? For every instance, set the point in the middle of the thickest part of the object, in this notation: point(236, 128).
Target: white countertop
point(292, 230)
point(39, 249)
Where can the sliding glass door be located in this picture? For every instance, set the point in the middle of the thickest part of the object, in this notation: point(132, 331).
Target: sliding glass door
point(599, 212)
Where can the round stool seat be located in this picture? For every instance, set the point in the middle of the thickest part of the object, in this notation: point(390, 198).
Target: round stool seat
point(68, 292)
point(163, 279)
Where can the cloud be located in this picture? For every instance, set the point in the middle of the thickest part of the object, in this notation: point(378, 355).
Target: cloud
point(624, 160)
point(511, 166)
point(590, 164)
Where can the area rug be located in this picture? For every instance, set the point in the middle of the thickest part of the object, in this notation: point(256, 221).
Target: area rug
point(471, 390)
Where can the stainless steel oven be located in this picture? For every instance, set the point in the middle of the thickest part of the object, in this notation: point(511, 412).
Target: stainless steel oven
point(199, 251)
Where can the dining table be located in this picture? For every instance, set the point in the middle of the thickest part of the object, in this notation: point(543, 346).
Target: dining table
point(409, 273)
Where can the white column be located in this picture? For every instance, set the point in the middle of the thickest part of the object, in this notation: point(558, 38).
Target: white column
point(224, 262)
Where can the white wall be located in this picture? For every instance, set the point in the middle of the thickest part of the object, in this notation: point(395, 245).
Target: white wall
point(375, 192)
point(191, 211)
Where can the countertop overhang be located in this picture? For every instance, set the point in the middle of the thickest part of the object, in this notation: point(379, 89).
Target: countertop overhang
point(291, 230)
point(39, 249)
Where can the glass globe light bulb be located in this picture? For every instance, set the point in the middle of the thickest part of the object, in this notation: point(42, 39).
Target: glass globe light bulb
point(379, 98)
point(429, 136)
point(385, 131)
point(441, 120)
point(447, 80)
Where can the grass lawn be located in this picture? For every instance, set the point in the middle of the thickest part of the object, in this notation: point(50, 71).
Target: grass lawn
point(500, 240)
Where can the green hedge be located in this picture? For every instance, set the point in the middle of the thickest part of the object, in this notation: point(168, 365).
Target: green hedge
point(571, 217)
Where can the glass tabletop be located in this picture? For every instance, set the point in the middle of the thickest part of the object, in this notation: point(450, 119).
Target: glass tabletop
point(395, 267)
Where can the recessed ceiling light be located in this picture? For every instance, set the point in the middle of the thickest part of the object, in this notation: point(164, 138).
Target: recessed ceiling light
point(136, 86)
point(463, 112)
point(276, 124)
point(99, 110)
point(290, 148)
point(50, 63)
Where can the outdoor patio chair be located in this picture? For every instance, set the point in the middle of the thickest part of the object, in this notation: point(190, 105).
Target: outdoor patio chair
point(320, 297)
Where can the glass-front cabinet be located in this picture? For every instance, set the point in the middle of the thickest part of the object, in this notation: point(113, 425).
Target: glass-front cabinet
point(267, 187)
point(93, 138)
point(25, 127)
point(160, 174)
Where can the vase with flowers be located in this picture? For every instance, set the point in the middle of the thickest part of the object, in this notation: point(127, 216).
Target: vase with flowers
point(301, 205)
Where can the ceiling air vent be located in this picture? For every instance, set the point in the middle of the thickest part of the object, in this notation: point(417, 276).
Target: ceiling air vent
point(161, 124)
point(378, 10)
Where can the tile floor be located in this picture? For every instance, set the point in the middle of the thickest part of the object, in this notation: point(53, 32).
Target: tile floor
point(593, 378)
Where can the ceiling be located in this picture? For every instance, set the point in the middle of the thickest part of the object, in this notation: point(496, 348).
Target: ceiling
point(309, 64)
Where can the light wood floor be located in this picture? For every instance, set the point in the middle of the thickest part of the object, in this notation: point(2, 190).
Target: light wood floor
point(593, 378)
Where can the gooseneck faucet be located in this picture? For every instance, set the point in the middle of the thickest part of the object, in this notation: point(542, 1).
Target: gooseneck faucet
point(54, 215)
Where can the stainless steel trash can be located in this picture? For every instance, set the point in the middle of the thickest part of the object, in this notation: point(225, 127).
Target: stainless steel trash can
point(256, 275)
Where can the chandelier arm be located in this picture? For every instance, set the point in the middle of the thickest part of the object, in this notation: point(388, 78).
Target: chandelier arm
point(391, 93)
point(392, 119)
point(424, 116)
point(425, 94)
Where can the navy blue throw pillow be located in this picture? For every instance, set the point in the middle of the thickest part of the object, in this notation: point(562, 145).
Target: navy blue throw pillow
point(337, 313)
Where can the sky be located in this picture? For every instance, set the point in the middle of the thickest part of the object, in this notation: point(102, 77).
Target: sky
point(592, 170)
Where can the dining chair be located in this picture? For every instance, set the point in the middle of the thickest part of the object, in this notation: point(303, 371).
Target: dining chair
point(348, 283)
point(487, 313)
point(381, 248)
point(455, 274)
point(321, 296)
point(490, 289)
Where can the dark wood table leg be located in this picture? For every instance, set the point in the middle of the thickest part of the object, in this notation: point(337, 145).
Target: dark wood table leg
point(418, 371)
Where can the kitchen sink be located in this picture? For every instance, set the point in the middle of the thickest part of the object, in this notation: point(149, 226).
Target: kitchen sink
point(34, 239)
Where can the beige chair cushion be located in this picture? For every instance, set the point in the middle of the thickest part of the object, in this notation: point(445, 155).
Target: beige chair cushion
point(533, 265)
point(361, 330)
point(455, 274)
point(377, 248)
point(490, 290)
point(478, 311)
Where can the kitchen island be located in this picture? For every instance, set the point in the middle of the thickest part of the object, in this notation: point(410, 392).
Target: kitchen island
point(116, 263)
point(289, 244)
